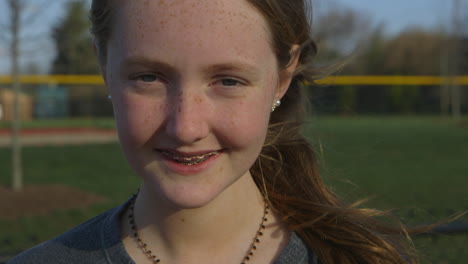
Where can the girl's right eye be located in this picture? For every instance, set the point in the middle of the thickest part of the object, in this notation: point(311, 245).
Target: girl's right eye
point(147, 78)
point(147, 83)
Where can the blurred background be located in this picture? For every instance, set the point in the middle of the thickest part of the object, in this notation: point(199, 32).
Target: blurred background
point(390, 125)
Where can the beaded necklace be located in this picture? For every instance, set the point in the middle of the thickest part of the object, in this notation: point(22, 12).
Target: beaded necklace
point(153, 257)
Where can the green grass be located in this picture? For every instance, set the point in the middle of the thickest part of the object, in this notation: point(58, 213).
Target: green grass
point(401, 162)
point(418, 165)
point(58, 123)
point(99, 169)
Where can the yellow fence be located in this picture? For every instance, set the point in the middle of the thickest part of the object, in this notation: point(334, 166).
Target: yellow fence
point(333, 80)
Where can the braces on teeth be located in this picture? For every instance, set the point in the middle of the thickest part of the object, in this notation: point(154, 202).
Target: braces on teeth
point(192, 160)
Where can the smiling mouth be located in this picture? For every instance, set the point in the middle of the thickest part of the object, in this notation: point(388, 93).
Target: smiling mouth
point(187, 160)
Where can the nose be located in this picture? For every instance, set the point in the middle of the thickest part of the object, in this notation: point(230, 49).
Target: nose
point(188, 118)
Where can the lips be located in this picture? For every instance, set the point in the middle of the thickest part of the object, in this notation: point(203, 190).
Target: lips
point(188, 159)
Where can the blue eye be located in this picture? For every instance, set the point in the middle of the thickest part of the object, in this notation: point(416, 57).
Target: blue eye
point(147, 78)
point(229, 82)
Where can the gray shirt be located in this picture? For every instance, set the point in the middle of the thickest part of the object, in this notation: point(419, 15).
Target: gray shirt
point(98, 241)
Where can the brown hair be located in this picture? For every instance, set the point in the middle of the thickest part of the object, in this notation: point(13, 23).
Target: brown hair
point(287, 169)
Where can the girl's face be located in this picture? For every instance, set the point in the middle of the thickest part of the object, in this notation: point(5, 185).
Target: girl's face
point(192, 85)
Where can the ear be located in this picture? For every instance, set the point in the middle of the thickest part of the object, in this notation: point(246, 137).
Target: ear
point(286, 75)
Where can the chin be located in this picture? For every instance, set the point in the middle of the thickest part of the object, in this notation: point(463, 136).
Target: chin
point(188, 195)
point(187, 189)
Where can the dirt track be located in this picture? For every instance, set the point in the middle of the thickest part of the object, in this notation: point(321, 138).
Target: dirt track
point(62, 136)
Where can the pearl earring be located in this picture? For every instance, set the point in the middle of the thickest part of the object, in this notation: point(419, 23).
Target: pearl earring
point(109, 97)
point(275, 105)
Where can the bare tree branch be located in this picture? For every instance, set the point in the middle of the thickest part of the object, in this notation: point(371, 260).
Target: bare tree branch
point(34, 51)
point(5, 26)
point(16, 7)
point(40, 9)
point(34, 38)
point(6, 38)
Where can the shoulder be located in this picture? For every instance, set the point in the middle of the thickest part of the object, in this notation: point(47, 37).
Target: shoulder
point(297, 252)
point(82, 244)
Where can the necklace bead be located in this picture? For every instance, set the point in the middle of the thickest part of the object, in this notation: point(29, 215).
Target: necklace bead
point(149, 254)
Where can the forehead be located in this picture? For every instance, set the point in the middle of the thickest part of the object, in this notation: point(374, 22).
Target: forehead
point(200, 26)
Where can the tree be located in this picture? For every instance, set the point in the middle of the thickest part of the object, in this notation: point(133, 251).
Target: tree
point(340, 32)
point(17, 177)
point(14, 34)
point(372, 60)
point(415, 52)
point(73, 42)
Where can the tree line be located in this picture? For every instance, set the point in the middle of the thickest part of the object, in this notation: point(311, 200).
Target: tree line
point(346, 38)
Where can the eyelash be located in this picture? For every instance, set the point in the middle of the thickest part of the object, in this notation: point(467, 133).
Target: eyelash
point(155, 78)
point(140, 77)
point(228, 79)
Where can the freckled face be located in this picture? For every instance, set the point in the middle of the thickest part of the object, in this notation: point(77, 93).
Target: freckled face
point(192, 84)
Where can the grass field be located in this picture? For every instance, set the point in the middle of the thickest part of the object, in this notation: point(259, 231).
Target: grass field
point(60, 123)
point(418, 165)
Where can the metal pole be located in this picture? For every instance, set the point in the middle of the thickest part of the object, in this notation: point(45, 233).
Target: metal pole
point(17, 181)
point(445, 70)
point(457, 28)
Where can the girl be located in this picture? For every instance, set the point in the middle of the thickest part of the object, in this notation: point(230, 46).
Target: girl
point(208, 102)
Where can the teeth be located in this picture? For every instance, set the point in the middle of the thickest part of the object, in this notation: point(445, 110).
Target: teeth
point(189, 160)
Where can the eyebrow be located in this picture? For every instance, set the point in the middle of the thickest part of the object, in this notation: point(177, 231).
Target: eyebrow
point(229, 66)
point(232, 66)
point(139, 60)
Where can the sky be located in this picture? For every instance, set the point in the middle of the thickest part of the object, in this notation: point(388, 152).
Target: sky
point(400, 14)
point(397, 15)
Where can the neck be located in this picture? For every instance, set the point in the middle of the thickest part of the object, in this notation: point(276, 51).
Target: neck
point(226, 225)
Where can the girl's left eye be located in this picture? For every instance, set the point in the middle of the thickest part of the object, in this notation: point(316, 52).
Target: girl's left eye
point(229, 82)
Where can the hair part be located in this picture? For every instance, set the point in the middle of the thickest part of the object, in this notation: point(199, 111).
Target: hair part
point(287, 169)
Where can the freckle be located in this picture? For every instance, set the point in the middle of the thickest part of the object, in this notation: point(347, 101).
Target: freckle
point(182, 220)
point(179, 109)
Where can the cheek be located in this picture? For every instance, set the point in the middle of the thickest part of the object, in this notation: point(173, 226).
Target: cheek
point(251, 116)
point(137, 118)
point(245, 125)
